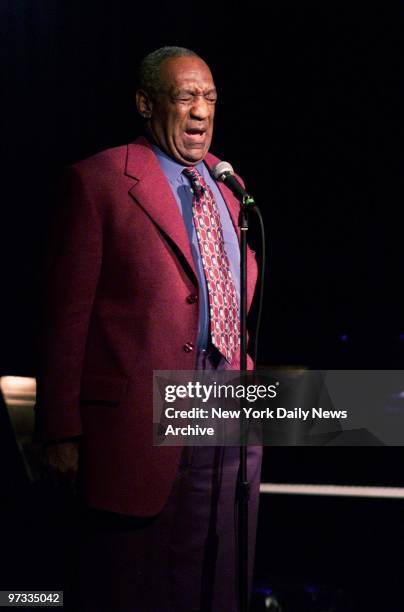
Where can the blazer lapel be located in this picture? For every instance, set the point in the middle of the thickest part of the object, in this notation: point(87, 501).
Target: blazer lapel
point(153, 193)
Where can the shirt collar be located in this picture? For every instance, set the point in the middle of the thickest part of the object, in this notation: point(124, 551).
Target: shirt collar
point(171, 168)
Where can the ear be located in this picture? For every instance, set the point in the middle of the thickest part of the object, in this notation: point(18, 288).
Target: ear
point(144, 104)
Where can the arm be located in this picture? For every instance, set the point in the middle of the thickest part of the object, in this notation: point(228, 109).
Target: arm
point(70, 281)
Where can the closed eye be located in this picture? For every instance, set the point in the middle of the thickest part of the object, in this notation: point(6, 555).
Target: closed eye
point(186, 97)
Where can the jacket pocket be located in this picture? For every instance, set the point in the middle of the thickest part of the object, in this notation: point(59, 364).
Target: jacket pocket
point(103, 389)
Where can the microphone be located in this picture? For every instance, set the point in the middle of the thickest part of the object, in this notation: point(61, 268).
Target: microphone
point(223, 172)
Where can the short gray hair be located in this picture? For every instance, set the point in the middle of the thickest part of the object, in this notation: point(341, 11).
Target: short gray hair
point(149, 69)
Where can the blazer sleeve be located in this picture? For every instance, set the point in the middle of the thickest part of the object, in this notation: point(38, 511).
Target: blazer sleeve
point(71, 273)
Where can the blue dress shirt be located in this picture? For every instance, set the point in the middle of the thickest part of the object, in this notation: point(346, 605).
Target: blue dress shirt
point(181, 188)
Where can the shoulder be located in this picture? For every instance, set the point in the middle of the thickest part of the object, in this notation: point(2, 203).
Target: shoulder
point(101, 164)
point(110, 163)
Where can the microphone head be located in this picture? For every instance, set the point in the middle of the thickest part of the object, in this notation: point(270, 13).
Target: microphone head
point(221, 170)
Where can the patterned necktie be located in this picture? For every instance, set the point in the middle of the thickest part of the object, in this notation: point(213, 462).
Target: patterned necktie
point(223, 301)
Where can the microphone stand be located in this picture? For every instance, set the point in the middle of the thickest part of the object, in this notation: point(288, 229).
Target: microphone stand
point(243, 486)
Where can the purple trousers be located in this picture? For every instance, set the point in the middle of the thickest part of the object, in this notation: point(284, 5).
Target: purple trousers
point(184, 559)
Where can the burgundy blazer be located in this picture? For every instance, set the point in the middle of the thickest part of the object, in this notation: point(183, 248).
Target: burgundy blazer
point(119, 303)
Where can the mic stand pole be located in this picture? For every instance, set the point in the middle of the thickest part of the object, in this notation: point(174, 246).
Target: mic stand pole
point(243, 486)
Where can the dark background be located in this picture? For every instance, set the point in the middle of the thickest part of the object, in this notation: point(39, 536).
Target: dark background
point(310, 113)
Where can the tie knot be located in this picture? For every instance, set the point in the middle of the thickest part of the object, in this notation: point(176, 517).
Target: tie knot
point(196, 179)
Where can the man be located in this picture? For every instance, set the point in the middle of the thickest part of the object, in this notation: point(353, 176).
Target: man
point(128, 294)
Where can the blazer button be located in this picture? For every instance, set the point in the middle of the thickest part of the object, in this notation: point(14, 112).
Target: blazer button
point(192, 298)
point(188, 347)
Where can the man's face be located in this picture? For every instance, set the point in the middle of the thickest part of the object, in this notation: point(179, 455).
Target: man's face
point(181, 117)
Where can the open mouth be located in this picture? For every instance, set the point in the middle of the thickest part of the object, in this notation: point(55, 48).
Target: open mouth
point(195, 133)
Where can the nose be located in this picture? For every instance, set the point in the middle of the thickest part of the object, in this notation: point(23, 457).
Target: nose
point(200, 108)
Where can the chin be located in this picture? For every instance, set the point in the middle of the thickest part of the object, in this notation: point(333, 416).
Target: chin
point(196, 157)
